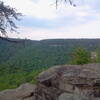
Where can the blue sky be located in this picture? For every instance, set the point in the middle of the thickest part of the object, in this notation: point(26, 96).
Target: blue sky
point(42, 20)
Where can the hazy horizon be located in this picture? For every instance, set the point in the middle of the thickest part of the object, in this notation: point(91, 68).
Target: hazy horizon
point(54, 38)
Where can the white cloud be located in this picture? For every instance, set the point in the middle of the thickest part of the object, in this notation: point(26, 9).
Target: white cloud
point(44, 10)
point(90, 30)
point(41, 9)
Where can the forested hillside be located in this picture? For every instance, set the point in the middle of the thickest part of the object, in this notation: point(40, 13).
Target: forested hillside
point(19, 62)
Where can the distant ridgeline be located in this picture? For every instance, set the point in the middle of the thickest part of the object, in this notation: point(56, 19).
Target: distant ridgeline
point(24, 58)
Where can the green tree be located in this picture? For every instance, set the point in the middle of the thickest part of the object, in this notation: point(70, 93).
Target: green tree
point(98, 56)
point(81, 56)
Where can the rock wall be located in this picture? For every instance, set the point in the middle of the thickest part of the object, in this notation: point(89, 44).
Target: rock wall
point(69, 82)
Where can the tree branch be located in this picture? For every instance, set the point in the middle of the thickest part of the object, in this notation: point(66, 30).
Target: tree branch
point(70, 1)
point(12, 40)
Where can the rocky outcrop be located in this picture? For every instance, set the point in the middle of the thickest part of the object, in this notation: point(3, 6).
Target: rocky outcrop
point(24, 92)
point(69, 82)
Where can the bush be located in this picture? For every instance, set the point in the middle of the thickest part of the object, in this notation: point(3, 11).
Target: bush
point(98, 56)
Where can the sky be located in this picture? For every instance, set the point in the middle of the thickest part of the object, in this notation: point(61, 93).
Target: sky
point(41, 19)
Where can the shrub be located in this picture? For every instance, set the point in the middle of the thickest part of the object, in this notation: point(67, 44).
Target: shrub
point(81, 56)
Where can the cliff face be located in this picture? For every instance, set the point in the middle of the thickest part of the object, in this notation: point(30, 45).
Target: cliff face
point(69, 82)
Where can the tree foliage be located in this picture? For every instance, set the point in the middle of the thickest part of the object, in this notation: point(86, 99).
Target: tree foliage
point(98, 56)
point(8, 16)
point(81, 56)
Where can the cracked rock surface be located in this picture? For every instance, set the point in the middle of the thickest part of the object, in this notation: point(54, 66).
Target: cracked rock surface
point(70, 82)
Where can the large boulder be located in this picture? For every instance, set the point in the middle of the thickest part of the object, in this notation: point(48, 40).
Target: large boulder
point(24, 92)
point(71, 82)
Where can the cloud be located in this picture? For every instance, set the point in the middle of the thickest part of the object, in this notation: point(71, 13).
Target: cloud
point(40, 9)
point(44, 9)
point(43, 20)
point(90, 30)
